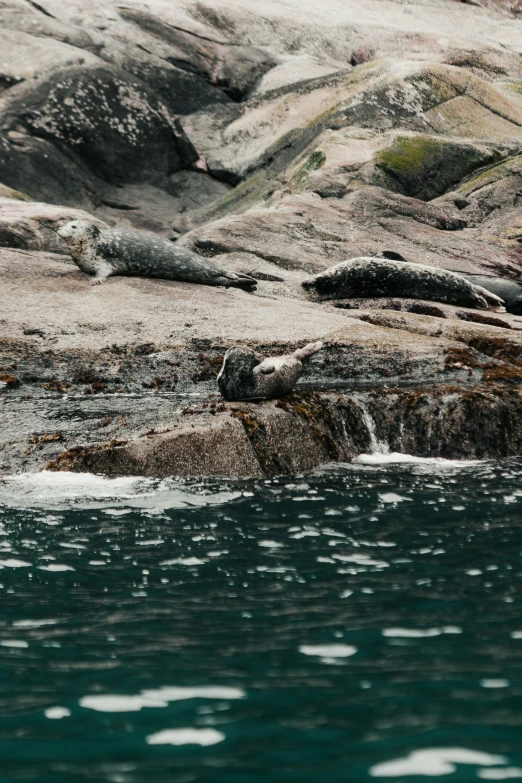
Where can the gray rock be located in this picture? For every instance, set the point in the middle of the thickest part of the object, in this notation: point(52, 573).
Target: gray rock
point(264, 137)
point(32, 226)
point(114, 123)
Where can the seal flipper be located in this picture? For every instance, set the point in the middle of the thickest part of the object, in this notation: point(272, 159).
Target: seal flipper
point(102, 270)
point(265, 370)
point(493, 301)
point(305, 353)
point(238, 280)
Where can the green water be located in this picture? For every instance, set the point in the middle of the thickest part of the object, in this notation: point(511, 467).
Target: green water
point(362, 623)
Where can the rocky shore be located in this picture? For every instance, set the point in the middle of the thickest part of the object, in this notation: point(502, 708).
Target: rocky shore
point(279, 139)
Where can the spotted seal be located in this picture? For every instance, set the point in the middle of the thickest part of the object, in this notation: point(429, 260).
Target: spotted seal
point(375, 277)
point(118, 251)
point(246, 374)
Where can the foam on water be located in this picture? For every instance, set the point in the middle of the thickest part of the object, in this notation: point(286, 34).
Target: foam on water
point(56, 713)
point(157, 697)
point(433, 762)
point(328, 650)
point(190, 736)
point(417, 633)
point(396, 457)
point(58, 491)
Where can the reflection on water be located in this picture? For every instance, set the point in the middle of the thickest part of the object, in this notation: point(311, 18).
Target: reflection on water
point(360, 623)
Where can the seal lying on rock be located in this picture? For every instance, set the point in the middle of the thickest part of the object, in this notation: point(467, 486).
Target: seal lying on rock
point(371, 277)
point(247, 375)
point(123, 252)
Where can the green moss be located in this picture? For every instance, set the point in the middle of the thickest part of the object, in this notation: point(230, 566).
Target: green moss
point(425, 166)
point(409, 155)
point(313, 162)
point(245, 195)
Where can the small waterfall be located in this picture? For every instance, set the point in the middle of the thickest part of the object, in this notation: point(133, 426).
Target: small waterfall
point(376, 446)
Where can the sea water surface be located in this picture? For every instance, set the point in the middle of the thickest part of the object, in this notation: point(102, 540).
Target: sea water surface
point(360, 623)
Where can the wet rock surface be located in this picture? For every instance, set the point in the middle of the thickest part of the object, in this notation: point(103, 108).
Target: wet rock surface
point(279, 139)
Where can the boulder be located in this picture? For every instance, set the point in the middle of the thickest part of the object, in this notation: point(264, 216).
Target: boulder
point(114, 123)
point(32, 226)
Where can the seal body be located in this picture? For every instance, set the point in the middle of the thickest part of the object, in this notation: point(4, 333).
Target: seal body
point(119, 251)
point(246, 374)
point(374, 277)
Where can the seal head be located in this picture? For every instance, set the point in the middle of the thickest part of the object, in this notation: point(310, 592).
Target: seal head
point(81, 238)
point(245, 375)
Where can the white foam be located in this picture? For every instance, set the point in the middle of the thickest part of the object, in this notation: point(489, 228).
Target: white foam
point(158, 697)
point(172, 693)
point(14, 563)
point(117, 703)
point(67, 545)
point(186, 561)
point(432, 762)
point(396, 457)
point(516, 634)
point(392, 497)
point(417, 633)
point(33, 623)
point(495, 683)
point(503, 773)
point(56, 713)
point(13, 643)
point(203, 737)
point(328, 650)
point(61, 490)
point(55, 567)
point(363, 560)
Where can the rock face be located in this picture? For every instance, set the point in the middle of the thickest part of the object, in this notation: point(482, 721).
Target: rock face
point(280, 139)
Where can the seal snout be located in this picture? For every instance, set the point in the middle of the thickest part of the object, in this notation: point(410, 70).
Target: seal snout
point(64, 231)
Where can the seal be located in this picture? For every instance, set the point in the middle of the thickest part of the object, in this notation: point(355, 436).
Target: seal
point(246, 375)
point(376, 277)
point(119, 251)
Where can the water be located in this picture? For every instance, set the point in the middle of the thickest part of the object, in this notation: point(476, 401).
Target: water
point(363, 623)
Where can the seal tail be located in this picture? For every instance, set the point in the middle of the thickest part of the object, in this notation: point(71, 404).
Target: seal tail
point(237, 280)
point(305, 353)
point(493, 301)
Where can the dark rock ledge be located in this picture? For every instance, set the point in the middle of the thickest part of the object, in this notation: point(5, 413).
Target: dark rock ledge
point(282, 143)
